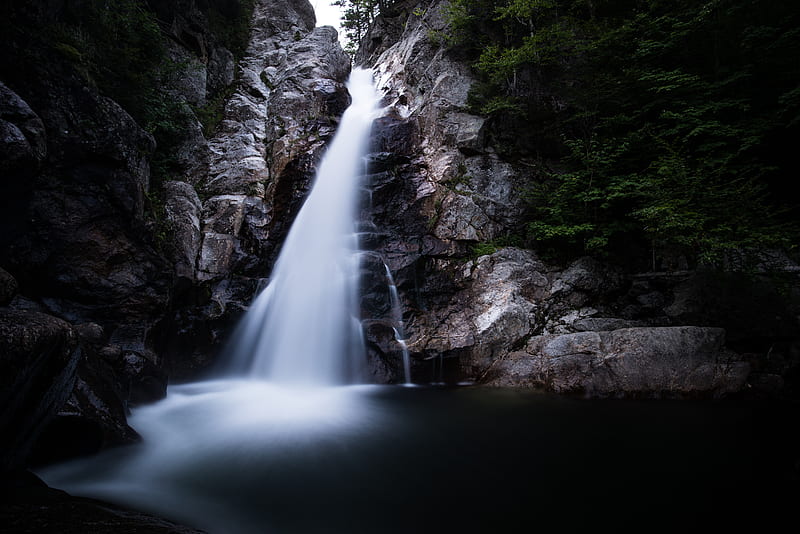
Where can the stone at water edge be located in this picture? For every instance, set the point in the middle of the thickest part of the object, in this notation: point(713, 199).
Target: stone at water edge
point(38, 359)
point(684, 360)
point(8, 287)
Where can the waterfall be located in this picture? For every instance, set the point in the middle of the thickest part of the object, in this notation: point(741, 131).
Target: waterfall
point(301, 332)
point(304, 328)
point(398, 326)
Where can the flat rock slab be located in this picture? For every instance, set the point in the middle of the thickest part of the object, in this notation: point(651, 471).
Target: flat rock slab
point(683, 360)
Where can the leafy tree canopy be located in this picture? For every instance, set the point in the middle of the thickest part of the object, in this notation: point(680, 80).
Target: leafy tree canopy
point(661, 125)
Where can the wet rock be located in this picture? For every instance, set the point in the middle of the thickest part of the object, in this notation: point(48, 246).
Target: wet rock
point(274, 128)
point(38, 360)
point(183, 210)
point(589, 276)
point(628, 362)
point(392, 137)
point(147, 382)
point(597, 324)
point(23, 141)
point(8, 287)
point(90, 333)
point(110, 380)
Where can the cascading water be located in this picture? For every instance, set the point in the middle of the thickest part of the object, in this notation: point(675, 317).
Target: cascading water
point(303, 328)
point(398, 327)
point(301, 335)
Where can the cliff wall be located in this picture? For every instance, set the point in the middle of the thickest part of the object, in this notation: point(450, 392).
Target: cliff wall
point(446, 198)
point(153, 156)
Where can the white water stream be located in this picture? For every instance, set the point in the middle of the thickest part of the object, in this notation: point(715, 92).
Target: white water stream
point(304, 327)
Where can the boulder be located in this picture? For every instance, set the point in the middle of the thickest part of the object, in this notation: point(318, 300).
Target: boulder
point(688, 361)
point(8, 287)
point(495, 305)
point(23, 141)
point(39, 356)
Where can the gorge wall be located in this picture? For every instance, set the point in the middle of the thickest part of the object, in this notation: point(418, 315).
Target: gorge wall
point(445, 196)
point(131, 246)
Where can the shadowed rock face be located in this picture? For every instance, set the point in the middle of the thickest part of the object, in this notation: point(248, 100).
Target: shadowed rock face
point(75, 235)
point(440, 187)
point(38, 362)
point(153, 291)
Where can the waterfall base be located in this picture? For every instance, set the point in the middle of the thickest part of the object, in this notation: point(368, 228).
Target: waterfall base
point(248, 457)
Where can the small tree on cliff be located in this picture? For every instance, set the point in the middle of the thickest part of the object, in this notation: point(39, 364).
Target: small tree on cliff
point(357, 15)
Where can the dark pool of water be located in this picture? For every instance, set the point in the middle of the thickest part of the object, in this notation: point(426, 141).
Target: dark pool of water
point(475, 460)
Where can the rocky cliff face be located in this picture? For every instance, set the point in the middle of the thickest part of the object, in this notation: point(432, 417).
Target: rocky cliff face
point(443, 197)
point(149, 269)
point(74, 228)
point(261, 159)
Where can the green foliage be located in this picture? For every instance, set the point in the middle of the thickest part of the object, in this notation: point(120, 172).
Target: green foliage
point(165, 118)
point(358, 15)
point(69, 52)
point(212, 112)
point(118, 45)
point(490, 247)
point(483, 249)
point(672, 121)
point(231, 26)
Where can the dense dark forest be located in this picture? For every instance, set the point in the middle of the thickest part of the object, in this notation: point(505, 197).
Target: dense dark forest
point(664, 128)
